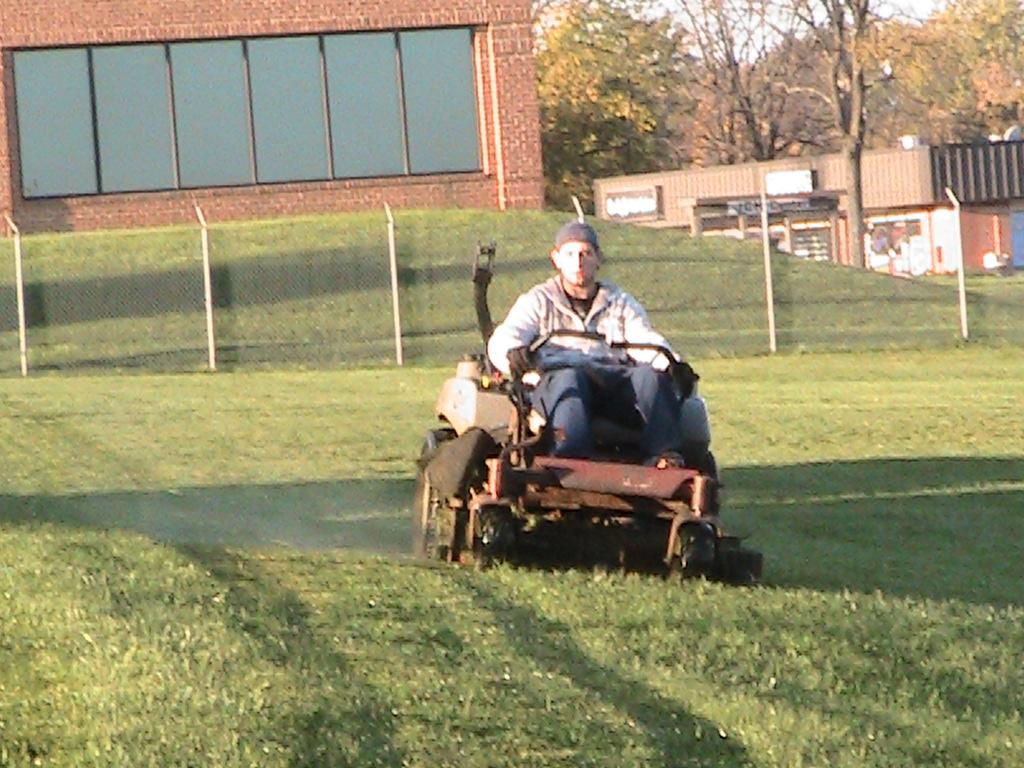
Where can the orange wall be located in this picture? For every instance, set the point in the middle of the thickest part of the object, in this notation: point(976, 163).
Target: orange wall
point(984, 232)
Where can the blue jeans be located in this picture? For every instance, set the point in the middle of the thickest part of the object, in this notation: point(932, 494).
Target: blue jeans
point(632, 395)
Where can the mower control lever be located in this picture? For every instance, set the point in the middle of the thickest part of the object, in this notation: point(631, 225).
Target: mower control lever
point(482, 274)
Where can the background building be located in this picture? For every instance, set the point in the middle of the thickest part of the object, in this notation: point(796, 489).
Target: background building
point(127, 112)
point(911, 224)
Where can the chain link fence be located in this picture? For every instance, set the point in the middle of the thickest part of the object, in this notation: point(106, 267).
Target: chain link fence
point(318, 292)
point(10, 354)
point(995, 307)
point(113, 307)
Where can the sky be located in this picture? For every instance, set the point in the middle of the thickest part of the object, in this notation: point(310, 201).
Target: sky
point(918, 9)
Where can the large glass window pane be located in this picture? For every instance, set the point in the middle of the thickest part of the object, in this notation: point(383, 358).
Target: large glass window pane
point(440, 100)
point(133, 118)
point(211, 114)
point(58, 151)
point(288, 109)
point(366, 120)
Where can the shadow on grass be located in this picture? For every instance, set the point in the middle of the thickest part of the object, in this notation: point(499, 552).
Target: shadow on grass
point(549, 643)
point(256, 281)
point(942, 528)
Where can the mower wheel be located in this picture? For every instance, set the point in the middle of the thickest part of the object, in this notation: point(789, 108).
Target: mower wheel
point(741, 566)
point(495, 536)
point(428, 506)
point(709, 466)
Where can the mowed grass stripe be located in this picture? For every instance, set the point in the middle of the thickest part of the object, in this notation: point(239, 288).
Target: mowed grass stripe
point(923, 493)
point(525, 666)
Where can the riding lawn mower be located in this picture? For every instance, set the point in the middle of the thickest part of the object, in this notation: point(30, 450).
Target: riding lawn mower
point(488, 488)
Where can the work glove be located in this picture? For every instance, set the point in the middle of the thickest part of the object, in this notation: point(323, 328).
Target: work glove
point(685, 378)
point(520, 360)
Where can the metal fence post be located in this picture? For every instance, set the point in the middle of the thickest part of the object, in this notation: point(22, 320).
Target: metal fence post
point(961, 286)
point(204, 237)
point(393, 257)
point(769, 293)
point(20, 292)
point(579, 209)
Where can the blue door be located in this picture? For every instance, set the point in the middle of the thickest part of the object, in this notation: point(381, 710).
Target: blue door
point(1017, 226)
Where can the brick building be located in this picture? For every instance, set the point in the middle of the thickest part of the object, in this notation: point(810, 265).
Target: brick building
point(121, 113)
point(912, 226)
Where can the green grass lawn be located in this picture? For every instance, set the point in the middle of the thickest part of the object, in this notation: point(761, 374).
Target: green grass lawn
point(205, 570)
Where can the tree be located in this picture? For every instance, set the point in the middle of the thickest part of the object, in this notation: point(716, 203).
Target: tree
point(926, 76)
point(960, 75)
point(843, 32)
point(993, 39)
point(752, 83)
point(609, 77)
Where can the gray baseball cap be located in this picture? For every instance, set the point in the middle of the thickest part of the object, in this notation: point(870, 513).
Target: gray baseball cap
point(576, 232)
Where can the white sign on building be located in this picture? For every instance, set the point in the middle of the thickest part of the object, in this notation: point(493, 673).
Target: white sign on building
point(633, 204)
point(789, 182)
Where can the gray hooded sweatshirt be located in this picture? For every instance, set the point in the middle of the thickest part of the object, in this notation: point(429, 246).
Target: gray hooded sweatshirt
point(615, 315)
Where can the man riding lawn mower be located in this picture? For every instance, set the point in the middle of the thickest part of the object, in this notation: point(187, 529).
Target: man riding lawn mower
point(580, 427)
